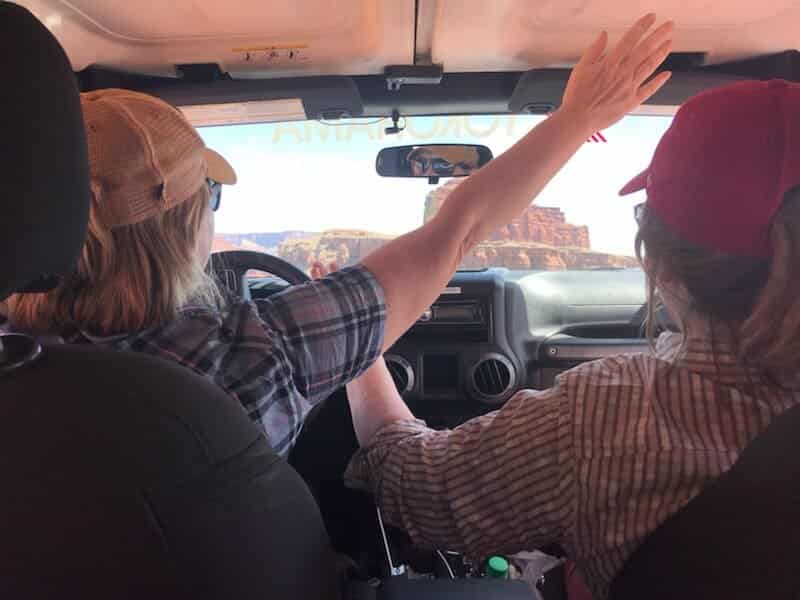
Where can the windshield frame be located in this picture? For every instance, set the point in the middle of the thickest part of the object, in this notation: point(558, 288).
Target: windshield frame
point(300, 137)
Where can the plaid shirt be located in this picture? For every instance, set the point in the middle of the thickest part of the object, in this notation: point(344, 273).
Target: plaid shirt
point(278, 357)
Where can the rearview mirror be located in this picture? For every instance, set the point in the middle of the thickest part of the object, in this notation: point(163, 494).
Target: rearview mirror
point(432, 160)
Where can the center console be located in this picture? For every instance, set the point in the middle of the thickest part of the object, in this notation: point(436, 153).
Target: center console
point(399, 588)
point(411, 572)
point(455, 362)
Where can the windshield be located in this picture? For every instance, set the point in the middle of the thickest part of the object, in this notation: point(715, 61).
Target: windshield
point(308, 192)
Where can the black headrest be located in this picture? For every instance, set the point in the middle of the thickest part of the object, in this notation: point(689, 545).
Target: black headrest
point(44, 201)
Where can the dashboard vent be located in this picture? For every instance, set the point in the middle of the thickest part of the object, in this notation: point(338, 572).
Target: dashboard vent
point(493, 377)
point(604, 332)
point(401, 371)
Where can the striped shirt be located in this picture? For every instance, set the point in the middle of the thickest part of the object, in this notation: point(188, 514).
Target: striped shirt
point(593, 464)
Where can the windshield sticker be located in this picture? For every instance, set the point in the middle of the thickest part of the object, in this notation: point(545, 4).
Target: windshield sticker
point(597, 137)
point(452, 128)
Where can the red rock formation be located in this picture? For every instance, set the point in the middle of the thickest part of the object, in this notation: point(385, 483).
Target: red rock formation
point(540, 238)
point(541, 224)
point(344, 247)
point(530, 255)
point(220, 244)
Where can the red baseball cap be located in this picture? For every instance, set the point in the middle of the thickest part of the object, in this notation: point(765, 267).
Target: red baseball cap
point(719, 173)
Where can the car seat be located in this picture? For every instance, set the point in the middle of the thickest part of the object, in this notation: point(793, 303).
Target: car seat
point(123, 476)
point(739, 538)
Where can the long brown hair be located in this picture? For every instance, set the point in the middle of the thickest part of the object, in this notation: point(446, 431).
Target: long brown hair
point(128, 278)
point(756, 300)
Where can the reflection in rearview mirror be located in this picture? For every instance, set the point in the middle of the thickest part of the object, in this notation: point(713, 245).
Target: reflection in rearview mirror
point(432, 160)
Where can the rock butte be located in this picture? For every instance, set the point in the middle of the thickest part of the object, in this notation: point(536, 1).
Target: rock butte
point(540, 238)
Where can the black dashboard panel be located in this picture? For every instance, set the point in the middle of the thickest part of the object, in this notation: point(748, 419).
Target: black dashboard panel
point(462, 362)
point(564, 318)
point(497, 331)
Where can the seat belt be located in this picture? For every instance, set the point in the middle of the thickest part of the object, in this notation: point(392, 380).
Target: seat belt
point(739, 538)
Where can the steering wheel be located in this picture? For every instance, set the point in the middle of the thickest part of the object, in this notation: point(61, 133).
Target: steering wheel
point(231, 267)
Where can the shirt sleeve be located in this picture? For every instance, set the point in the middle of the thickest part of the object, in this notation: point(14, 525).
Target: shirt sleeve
point(503, 482)
point(332, 328)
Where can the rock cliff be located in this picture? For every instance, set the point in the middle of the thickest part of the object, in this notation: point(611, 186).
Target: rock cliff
point(539, 224)
point(340, 246)
point(540, 238)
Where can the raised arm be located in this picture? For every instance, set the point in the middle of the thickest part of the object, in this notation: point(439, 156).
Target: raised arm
point(603, 87)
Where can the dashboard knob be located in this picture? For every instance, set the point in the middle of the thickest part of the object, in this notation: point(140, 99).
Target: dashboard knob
point(426, 316)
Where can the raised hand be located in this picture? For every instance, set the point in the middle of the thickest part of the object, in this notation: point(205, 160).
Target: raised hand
point(606, 85)
point(413, 269)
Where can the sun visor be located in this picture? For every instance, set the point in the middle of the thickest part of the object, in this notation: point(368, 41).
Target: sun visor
point(517, 35)
point(246, 38)
point(539, 91)
point(249, 100)
point(239, 113)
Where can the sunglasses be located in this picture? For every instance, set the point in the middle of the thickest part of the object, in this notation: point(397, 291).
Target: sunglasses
point(214, 193)
point(638, 212)
point(437, 164)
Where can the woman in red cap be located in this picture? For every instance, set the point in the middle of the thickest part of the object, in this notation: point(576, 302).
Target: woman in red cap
point(598, 461)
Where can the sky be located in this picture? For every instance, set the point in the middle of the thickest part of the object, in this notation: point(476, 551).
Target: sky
point(313, 176)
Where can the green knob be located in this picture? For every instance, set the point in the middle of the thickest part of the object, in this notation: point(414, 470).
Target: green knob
point(497, 568)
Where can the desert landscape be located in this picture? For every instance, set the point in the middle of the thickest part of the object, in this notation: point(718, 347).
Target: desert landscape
point(540, 238)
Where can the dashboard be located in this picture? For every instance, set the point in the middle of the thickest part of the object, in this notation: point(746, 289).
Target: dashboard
point(494, 332)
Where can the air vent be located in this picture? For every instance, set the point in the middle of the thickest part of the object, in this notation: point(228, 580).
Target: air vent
point(402, 373)
point(493, 378)
point(605, 332)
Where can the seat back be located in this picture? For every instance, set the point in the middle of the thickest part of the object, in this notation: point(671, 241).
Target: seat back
point(739, 538)
point(125, 476)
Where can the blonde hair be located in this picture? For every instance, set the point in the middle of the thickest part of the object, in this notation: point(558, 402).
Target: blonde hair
point(756, 300)
point(128, 278)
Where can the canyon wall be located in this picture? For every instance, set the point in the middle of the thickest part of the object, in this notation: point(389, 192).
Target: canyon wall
point(540, 238)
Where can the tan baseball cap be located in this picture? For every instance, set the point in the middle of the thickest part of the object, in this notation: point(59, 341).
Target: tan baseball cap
point(144, 156)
